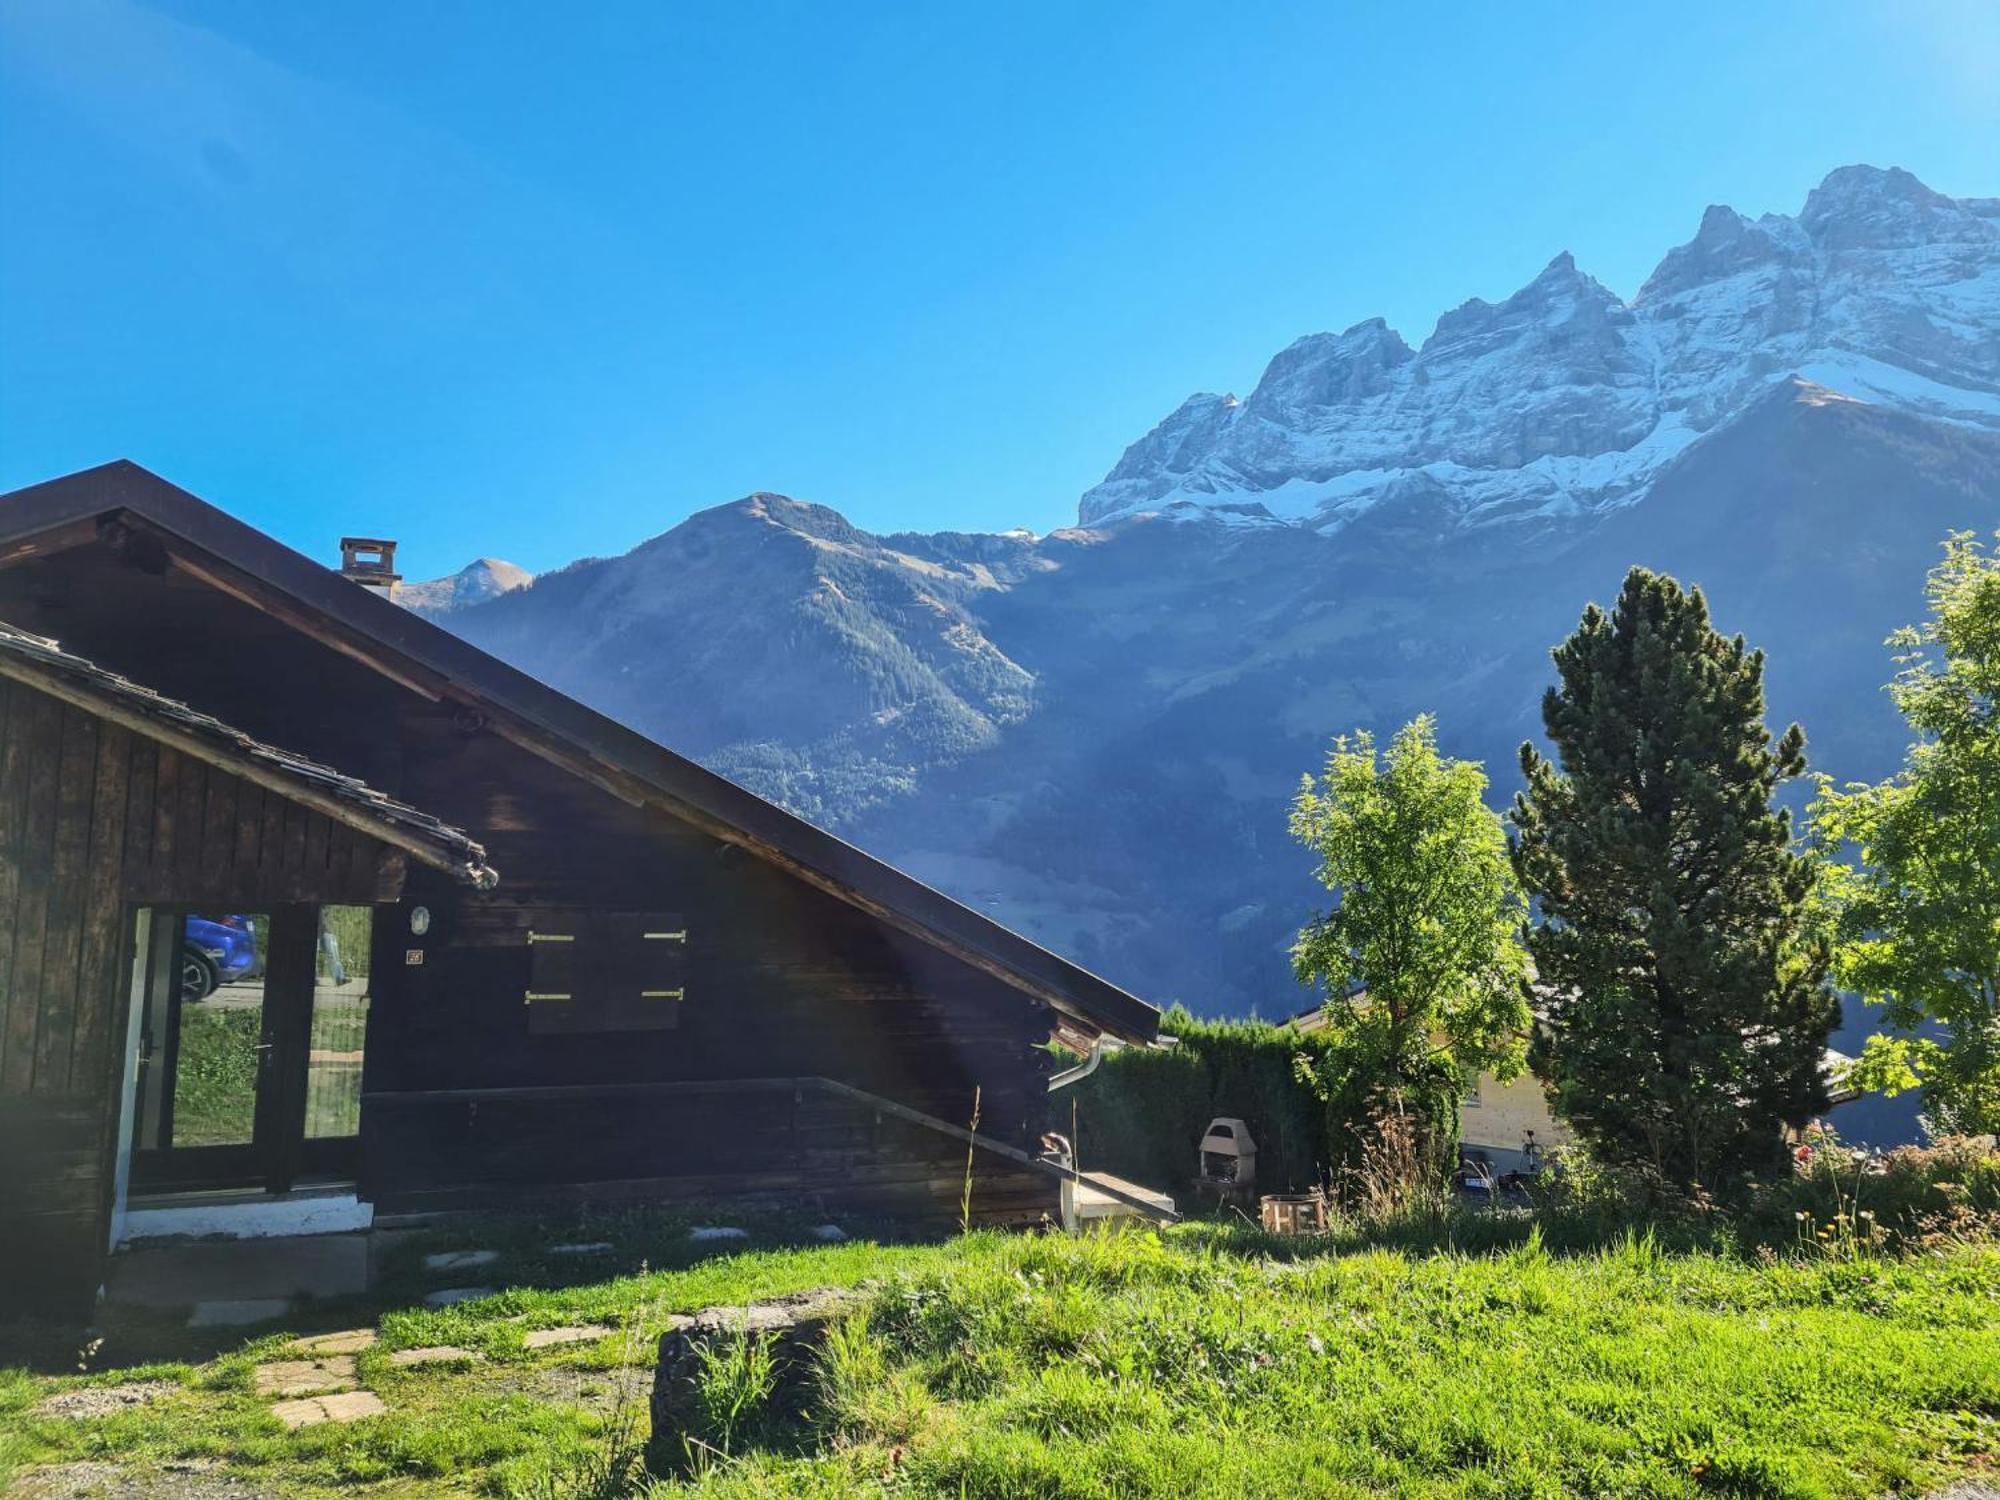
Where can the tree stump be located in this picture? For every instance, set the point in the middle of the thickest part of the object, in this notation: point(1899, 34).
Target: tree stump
point(792, 1328)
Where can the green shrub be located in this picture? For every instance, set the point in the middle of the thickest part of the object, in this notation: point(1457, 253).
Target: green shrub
point(1904, 1198)
point(1836, 1202)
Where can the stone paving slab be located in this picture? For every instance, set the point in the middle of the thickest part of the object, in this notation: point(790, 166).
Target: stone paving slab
point(347, 1341)
point(544, 1338)
point(451, 1296)
point(349, 1406)
point(306, 1377)
point(459, 1260)
point(703, 1234)
point(772, 1315)
point(431, 1354)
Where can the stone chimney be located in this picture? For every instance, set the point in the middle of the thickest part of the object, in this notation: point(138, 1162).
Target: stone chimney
point(370, 562)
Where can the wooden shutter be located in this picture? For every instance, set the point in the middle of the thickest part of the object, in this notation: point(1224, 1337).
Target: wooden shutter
point(645, 969)
point(622, 971)
point(555, 948)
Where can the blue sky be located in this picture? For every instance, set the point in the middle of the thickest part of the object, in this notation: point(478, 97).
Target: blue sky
point(540, 280)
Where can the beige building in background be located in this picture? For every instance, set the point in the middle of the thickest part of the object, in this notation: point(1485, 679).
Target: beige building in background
point(1498, 1119)
point(1495, 1120)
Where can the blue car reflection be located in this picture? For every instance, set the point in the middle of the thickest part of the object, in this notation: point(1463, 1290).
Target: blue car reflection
point(216, 951)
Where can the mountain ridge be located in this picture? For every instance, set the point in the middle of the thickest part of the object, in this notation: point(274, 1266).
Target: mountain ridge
point(1563, 399)
point(1093, 735)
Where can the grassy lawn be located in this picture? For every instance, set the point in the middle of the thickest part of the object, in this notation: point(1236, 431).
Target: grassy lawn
point(1208, 1361)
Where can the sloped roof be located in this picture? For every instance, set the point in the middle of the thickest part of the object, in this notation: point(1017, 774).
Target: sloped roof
point(61, 513)
point(43, 664)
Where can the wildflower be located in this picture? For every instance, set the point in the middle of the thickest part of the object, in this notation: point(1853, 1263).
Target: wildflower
point(1802, 1215)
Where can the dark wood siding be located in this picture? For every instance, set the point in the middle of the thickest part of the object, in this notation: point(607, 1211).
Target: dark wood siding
point(781, 981)
point(782, 978)
point(95, 820)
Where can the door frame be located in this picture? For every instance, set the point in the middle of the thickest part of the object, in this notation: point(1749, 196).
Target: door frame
point(278, 1153)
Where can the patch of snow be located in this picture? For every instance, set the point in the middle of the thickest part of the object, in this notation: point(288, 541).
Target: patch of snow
point(1874, 381)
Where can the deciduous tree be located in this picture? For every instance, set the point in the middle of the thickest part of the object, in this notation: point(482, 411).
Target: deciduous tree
point(1421, 954)
point(1918, 912)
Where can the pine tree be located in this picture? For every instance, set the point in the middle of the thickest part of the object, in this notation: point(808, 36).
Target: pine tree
point(1683, 981)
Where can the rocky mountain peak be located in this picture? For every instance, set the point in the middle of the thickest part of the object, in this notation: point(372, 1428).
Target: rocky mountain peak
point(1862, 204)
point(1563, 399)
point(1727, 244)
point(479, 580)
point(1561, 297)
point(1327, 369)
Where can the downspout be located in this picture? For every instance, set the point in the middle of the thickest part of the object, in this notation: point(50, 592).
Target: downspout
point(1100, 1049)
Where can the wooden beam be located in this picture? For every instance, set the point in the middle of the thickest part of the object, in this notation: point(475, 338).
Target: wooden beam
point(595, 1092)
point(48, 543)
point(310, 623)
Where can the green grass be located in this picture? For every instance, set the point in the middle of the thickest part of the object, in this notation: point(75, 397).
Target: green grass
point(1209, 1361)
point(215, 1075)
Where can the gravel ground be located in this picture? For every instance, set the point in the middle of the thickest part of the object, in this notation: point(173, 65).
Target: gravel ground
point(102, 1481)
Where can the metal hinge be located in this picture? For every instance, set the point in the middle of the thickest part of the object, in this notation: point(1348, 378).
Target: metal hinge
point(680, 994)
point(667, 937)
point(551, 937)
point(532, 996)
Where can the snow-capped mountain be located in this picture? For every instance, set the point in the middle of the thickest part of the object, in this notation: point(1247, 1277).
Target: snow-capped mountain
point(482, 579)
point(1093, 735)
point(1565, 400)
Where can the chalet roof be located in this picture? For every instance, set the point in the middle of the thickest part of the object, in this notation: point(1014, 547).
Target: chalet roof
point(43, 664)
point(70, 511)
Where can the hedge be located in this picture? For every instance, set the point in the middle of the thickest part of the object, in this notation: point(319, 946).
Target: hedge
point(1141, 1115)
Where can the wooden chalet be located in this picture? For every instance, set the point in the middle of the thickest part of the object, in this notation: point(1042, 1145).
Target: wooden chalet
point(301, 895)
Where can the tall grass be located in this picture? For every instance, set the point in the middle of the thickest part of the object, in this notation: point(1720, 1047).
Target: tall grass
point(965, 1195)
point(733, 1384)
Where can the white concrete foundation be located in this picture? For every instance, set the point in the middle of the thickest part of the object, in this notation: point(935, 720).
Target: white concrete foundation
point(248, 1218)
